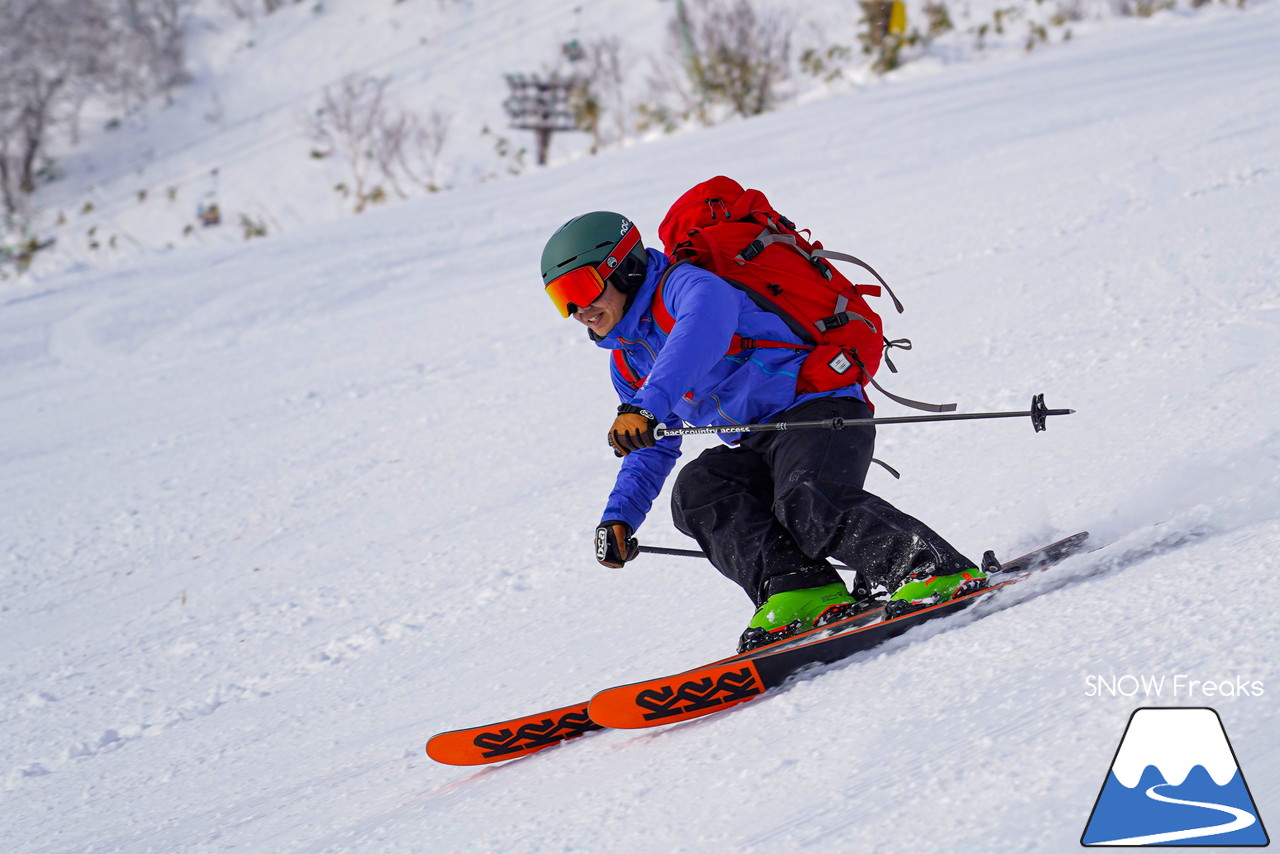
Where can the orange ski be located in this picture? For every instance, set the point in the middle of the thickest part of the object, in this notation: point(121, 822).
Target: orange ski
point(509, 739)
point(678, 698)
point(522, 736)
point(716, 687)
point(705, 689)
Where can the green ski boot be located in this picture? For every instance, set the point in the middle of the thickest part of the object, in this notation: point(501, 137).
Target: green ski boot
point(921, 590)
point(785, 615)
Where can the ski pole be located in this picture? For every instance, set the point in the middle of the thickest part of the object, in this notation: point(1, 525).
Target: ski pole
point(662, 550)
point(1038, 414)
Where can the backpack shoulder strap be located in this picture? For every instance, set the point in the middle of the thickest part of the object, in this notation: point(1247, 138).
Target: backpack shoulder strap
point(625, 371)
point(661, 315)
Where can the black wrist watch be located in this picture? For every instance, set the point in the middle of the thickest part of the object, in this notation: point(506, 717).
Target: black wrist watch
point(632, 408)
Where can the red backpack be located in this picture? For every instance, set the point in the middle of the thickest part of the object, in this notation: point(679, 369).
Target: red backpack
point(737, 235)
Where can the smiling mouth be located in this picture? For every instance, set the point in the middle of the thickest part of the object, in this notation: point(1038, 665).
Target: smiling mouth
point(595, 318)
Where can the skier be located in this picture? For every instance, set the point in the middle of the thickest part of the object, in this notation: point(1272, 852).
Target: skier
point(767, 508)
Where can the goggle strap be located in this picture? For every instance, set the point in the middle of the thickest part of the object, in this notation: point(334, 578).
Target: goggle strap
point(624, 246)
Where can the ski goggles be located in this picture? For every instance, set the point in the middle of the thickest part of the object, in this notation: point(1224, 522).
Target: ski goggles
point(582, 286)
point(576, 289)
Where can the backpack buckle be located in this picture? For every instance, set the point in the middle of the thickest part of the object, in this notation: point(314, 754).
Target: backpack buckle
point(823, 267)
point(835, 321)
point(752, 249)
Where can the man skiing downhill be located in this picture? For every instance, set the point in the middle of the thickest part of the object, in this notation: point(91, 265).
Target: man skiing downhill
point(767, 508)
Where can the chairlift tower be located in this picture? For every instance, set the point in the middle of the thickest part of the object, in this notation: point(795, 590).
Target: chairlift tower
point(540, 104)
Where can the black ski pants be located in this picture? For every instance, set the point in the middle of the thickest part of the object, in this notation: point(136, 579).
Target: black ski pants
point(771, 510)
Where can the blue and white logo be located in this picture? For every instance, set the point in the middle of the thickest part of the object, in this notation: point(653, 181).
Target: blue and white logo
point(1175, 781)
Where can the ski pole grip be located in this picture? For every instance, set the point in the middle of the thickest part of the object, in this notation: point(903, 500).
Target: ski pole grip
point(1040, 413)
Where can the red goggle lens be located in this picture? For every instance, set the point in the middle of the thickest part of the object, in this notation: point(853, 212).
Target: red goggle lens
point(579, 287)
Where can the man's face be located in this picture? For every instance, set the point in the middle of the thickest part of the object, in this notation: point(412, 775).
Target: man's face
point(603, 314)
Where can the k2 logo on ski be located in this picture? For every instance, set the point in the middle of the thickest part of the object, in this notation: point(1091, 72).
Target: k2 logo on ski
point(1175, 781)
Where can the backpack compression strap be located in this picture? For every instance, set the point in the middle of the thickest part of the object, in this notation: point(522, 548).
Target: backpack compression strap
point(665, 322)
point(772, 235)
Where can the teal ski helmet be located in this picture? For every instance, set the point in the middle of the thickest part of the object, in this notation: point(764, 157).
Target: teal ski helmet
point(599, 244)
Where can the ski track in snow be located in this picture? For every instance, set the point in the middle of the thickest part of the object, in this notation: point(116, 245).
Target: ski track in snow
point(276, 514)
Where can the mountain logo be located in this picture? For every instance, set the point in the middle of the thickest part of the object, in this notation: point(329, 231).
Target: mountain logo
point(1175, 781)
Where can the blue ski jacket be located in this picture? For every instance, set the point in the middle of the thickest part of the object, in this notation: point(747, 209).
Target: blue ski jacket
point(690, 378)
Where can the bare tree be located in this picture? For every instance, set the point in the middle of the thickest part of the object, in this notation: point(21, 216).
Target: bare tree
point(8, 190)
point(346, 123)
point(407, 148)
point(431, 140)
point(248, 9)
point(396, 134)
point(52, 51)
point(732, 54)
point(599, 93)
point(57, 54)
point(157, 27)
point(745, 54)
point(677, 93)
point(377, 139)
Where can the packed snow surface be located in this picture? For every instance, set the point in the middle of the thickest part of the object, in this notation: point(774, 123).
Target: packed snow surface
point(275, 514)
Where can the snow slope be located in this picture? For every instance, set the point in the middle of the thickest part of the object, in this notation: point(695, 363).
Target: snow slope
point(276, 513)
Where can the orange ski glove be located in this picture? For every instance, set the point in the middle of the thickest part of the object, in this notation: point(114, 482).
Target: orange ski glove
point(632, 430)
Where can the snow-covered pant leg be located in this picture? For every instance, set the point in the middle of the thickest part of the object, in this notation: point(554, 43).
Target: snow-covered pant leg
point(723, 499)
point(820, 499)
